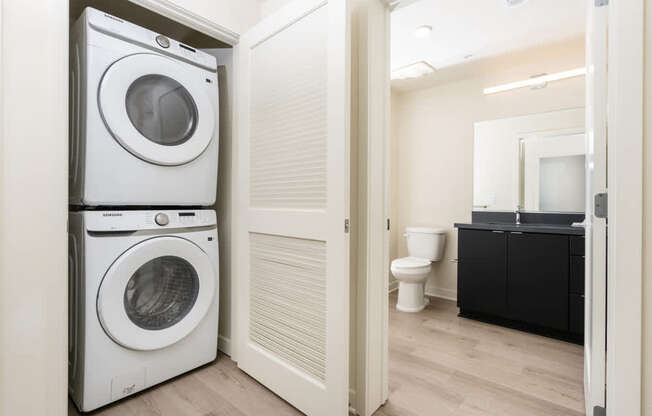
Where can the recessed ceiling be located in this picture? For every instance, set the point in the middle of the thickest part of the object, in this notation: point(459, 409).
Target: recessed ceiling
point(464, 30)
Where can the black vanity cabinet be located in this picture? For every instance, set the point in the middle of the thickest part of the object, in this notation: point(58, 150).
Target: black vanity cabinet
point(482, 271)
point(537, 282)
point(527, 280)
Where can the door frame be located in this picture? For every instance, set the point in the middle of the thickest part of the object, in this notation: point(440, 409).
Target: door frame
point(372, 18)
point(625, 188)
point(625, 245)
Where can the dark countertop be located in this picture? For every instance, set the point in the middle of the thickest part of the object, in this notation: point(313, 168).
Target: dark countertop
point(525, 228)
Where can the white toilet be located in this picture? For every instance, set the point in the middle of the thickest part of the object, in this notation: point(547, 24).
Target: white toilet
point(425, 245)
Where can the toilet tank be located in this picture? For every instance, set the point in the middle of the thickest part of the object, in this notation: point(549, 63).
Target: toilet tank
point(425, 243)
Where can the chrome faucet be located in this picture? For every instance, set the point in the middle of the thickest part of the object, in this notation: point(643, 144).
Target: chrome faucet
point(518, 214)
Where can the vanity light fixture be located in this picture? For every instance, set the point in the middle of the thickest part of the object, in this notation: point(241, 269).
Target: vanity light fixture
point(423, 31)
point(514, 3)
point(415, 70)
point(540, 80)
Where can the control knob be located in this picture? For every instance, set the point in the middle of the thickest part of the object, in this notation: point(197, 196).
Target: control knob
point(162, 219)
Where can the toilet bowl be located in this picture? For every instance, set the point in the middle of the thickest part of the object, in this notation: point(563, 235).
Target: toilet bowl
point(425, 245)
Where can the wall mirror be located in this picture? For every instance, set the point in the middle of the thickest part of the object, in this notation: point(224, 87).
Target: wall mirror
point(536, 162)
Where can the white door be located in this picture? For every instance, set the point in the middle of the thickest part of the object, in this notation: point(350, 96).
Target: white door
point(157, 109)
point(595, 293)
point(156, 293)
point(292, 265)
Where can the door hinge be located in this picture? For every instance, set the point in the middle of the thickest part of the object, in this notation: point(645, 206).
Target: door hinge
point(347, 225)
point(599, 411)
point(388, 224)
point(601, 205)
point(600, 3)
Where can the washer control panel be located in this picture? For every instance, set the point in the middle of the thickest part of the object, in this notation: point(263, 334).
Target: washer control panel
point(107, 221)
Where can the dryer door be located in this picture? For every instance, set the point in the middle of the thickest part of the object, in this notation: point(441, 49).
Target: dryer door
point(157, 108)
point(156, 293)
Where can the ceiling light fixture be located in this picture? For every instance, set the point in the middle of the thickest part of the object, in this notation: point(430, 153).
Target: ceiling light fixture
point(415, 70)
point(423, 31)
point(577, 72)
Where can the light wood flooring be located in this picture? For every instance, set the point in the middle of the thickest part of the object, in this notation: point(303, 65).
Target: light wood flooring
point(439, 365)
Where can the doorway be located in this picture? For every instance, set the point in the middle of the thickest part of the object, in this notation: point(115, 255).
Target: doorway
point(412, 113)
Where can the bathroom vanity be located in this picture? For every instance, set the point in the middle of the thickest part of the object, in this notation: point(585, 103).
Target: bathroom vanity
point(527, 276)
point(520, 262)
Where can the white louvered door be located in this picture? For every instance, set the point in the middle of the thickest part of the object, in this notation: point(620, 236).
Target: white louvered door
point(292, 279)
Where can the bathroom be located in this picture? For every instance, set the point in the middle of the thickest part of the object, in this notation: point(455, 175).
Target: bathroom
point(466, 158)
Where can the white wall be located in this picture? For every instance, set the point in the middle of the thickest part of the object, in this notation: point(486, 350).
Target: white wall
point(268, 7)
point(433, 141)
point(235, 15)
point(33, 207)
point(224, 191)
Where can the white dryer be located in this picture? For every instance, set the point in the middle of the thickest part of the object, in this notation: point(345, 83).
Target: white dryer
point(143, 300)
point(144, 117)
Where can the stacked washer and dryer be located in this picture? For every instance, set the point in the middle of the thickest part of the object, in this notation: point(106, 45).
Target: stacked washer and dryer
point(143, 252)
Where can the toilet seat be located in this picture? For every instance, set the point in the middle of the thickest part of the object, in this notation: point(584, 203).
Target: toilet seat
point(410, 262)
point(411, 269)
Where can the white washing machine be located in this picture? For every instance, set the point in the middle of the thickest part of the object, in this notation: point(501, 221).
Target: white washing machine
point(143, 300)
point(144, 117)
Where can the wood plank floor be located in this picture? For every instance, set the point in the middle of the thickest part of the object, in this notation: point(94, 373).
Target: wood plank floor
point(440, 365)
point(443, 365)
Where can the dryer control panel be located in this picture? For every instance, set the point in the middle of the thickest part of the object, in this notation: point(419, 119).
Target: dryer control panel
point(115, 221)
point(117, 27)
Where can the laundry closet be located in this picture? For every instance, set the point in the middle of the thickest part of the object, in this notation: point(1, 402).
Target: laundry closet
point(215, 170)
point(143, 239)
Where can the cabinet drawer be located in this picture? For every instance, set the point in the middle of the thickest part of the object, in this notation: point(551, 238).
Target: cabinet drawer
point(576, 275)
point(577, 245)
point(576, 314)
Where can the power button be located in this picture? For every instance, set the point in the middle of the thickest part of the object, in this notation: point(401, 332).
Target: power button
point(162, 219)
point(163, 41)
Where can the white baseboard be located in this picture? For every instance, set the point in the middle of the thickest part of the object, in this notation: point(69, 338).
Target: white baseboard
point(224, 345)
point(439, 292)
point(393, 286)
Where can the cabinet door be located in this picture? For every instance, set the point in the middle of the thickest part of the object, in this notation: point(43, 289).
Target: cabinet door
point(482, 271)
point(537, 282)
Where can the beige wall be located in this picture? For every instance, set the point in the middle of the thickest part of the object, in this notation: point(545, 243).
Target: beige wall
point(432, 143)
point(647, 216)
point(33, 207)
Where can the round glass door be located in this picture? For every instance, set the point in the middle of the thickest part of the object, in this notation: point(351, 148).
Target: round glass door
point(156, 293)
point(161, 292)
point(157, 108)
point(161, 109)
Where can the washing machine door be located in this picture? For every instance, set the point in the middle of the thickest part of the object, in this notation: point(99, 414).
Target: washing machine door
point(157, 108)
point(156, 293)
